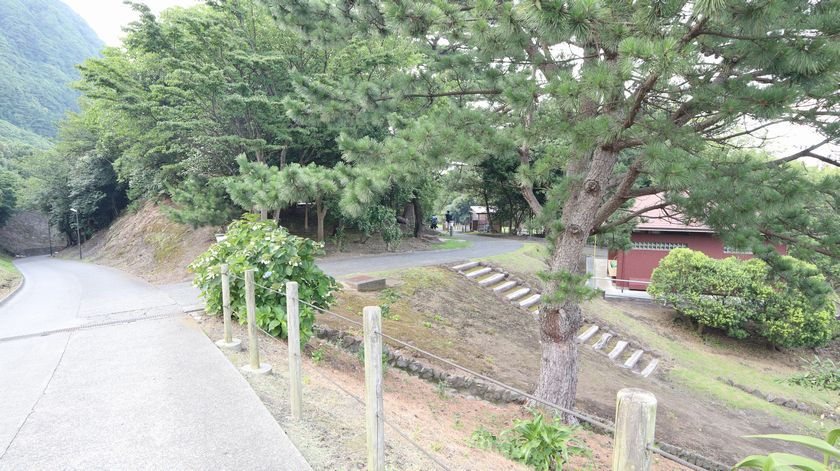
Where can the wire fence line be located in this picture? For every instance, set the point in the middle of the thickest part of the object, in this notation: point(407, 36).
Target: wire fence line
point(362, 403)
point(606, 427)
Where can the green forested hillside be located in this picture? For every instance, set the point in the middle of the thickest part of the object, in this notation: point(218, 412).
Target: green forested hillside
point(41, 41)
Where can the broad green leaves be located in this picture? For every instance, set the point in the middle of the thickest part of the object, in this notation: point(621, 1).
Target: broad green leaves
point(787, 461)
point(277, 257)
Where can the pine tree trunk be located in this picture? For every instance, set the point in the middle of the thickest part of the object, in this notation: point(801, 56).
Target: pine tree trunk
point(418, 216)
point(306, 217)
point(263, 215)
point(560, 321)
point(321, 213)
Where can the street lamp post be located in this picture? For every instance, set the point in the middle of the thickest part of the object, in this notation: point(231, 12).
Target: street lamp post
point(49, 236)
point(78, 232)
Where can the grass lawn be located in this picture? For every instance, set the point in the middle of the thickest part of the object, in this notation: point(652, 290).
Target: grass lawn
point(528, 259)
point(698, 361)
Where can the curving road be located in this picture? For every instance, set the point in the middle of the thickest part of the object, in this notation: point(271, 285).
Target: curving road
point(145, 389)
point(140, 387)
point(481, 247)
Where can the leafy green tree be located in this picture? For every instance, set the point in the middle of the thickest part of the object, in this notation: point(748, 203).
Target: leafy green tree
point(600, 102)
point(8, 195)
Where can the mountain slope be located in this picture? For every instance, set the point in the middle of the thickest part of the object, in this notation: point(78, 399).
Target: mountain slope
point(41, 41)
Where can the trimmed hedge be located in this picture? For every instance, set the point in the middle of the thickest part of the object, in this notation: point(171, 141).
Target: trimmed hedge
point(789, 306)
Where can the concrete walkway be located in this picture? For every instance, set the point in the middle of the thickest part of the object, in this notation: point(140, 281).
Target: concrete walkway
point(152, 393)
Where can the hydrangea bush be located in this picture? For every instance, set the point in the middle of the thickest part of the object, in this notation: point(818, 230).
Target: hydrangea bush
point(276, 257)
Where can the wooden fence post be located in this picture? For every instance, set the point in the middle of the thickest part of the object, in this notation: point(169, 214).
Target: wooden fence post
point(254, 366)
point(228, 341)
point(293, 327)
point(374, 413)
point(635, 421)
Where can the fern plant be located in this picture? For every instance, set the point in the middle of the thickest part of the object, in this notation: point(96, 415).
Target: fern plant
point(789, 461)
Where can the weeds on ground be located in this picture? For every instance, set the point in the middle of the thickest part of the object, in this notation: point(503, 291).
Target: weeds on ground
point(389, 296)
point(318, 354)
point(544, 445)
point(821, 374)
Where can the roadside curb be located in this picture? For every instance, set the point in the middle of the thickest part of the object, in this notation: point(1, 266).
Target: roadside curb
point(15, 290)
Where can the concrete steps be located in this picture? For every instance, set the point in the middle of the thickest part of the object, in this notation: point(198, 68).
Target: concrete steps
point(622, 353)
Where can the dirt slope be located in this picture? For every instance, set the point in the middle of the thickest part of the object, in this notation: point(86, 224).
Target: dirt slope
point(148, 244)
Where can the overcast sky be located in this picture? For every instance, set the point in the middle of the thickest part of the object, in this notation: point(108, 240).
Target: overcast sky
point(107, 17)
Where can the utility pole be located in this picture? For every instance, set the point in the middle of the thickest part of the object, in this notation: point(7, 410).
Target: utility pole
point(78, 232)
point(49, 236)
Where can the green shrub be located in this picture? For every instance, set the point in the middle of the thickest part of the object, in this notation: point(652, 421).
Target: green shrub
point(538, 443)
point(277, 257)
point(790, 308)
point(784, 461)
point(821, 374)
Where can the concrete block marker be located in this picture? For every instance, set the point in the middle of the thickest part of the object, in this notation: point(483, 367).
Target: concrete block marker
point(517, 294)
point(634, 359)
point(504, 286)
point(254, 365)
point(479, 272)
point(365, 283)
point(619, 348)
point(650, 368)
point(465, 266)
point(588, 334)
point(530, 301)
point(600, 344)
point(494, 278)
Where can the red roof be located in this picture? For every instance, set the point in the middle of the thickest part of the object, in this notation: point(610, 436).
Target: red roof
point(667, 219)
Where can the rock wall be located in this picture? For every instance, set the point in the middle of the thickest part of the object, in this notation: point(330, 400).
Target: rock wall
point(26, 234)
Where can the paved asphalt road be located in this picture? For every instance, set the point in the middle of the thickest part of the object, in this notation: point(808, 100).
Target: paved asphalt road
point(481, 247)
point(149, 394)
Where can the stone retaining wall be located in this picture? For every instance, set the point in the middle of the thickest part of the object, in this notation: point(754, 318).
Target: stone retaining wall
point(25, 234)
point(780, 401)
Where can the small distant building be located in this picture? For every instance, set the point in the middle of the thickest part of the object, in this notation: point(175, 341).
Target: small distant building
point(480, 220)
point(661, 231)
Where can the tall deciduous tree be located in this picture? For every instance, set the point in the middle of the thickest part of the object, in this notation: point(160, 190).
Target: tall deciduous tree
point(603, 101)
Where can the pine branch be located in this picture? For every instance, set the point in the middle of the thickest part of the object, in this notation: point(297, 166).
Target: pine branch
point(807, 152)
point(649, 83)
point(629, 217)
point(442, 94)
point(771, 233)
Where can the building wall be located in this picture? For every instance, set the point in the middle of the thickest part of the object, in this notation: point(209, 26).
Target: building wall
point(638, 264)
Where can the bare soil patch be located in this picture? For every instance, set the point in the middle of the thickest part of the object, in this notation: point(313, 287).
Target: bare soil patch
point(332, 432)
point(146, 243)
point(443, 313)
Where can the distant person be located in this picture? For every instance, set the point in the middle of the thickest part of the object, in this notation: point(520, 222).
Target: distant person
point(434, 222)
point(449, 225)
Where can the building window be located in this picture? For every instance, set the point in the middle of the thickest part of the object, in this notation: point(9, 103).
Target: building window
point(657, 245)
point(733, 250)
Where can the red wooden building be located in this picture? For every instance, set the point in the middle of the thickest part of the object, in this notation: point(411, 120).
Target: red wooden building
point(661, 231)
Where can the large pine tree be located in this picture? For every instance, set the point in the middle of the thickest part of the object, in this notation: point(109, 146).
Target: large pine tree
point(602, 101)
